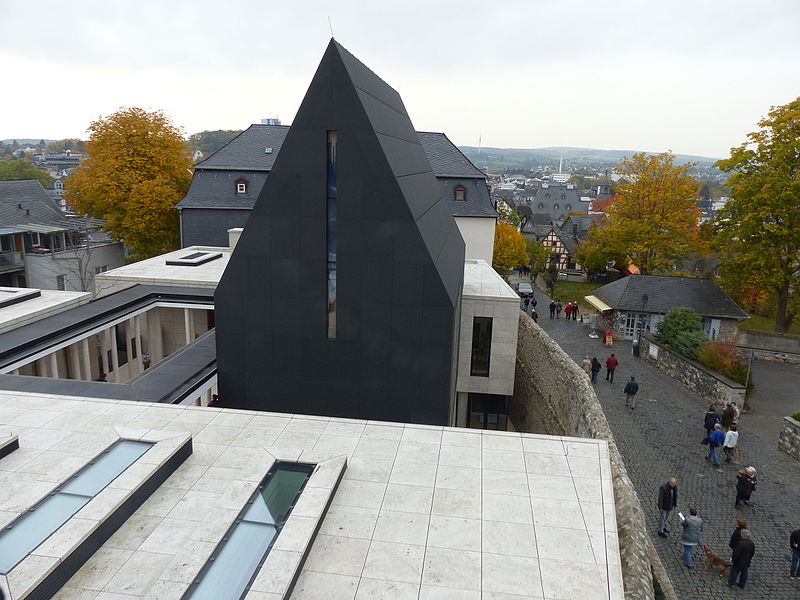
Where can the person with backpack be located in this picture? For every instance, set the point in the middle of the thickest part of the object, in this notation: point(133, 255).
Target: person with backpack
point(630, 391)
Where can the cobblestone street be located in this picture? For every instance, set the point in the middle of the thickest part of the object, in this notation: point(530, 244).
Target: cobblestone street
point(661, 438)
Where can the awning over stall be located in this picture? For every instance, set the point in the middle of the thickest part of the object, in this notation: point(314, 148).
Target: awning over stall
point(597, 303)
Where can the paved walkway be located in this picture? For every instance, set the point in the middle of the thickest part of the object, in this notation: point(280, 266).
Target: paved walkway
point(661, 439)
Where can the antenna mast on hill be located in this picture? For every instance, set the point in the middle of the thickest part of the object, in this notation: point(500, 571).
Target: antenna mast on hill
point(561, 163)
point(479, 143)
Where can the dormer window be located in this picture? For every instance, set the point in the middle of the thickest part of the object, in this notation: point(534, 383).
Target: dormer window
point(460, 193)
point(241, 186)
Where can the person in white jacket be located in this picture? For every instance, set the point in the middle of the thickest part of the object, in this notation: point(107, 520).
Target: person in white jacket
point(731, 439)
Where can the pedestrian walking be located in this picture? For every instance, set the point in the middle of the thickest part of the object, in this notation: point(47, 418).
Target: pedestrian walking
point(794, 545)
point(745, 486)
point(575, 311)
point(533, 303)
point(552, 310)
point(711, 418)
point(737, 534)
point(559, 308)
point(611, 365)
point(568, 311)
point(630, 391)
point(596, 366)
point(667, 500)
point(742, 556)
point(535, 316)
point(690, 536)
point(719, 406)
point(726, 420)
point(715, 440)
point(729, 447)
point(586, 365)
point(736, 413)
point(526, 303)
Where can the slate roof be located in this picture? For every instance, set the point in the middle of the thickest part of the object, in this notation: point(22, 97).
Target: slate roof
point(246, 153)
point(664, 292)
point(38, 209)
point(537, 225)
point(445, 157)
point(217, 189)
point(584, 223)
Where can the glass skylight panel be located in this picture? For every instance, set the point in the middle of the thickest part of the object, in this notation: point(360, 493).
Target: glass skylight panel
point(26, 533)
point(231, 568)
point(103, 470)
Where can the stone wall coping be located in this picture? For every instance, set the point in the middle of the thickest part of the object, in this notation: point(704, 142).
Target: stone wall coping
point(699, 366)
point(792, 421)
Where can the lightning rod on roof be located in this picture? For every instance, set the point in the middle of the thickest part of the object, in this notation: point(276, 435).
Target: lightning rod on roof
point(331, 27)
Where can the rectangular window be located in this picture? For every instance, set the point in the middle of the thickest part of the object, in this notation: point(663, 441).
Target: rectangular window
point(481, 346)
point(241, 188)
point(331, 184)
point(61, 282)
point(122, 347)
point(133, 348)
point(23, 535)
point(229, 572)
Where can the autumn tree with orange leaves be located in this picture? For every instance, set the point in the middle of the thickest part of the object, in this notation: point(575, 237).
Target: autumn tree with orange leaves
point(509, 248)
point(136, 171)
point(653, 220)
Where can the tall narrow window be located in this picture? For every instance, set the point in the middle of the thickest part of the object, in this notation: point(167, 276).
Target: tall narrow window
point(460, 193)
point(330, 231)
point(481, 346)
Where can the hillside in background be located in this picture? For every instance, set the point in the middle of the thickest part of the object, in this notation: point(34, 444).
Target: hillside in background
point(574, 158)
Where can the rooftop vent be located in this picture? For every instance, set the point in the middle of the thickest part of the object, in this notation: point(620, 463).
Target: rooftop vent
point(268, 150)
point(194, 259)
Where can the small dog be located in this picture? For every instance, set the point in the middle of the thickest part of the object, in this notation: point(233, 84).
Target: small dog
point(716, 561)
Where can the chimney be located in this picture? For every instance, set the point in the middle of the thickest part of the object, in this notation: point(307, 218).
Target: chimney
point(233, 236)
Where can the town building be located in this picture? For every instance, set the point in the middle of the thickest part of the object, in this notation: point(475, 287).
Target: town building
point(225, 186)
point(638, 302)
point(556, 200)
point(41, 247)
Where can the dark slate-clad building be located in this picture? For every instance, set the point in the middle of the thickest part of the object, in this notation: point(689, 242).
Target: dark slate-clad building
point(342, 295)
point(225, 186)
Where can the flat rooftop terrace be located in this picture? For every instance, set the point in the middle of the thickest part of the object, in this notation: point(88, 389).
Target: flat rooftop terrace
point(418, 512)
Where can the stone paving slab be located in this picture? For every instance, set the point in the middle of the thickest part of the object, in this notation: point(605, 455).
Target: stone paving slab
point(661, 439)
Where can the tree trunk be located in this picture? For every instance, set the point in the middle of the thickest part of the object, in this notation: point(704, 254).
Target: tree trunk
point(783, 320)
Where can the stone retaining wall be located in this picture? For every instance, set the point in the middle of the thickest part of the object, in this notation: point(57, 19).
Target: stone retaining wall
point(789, 439)
point(700, 379)
point(552, 395)
point(768, 355)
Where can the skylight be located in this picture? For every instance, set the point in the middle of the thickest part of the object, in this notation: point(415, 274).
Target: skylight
point(24, 534)
point(194, 259)
point(229, 572)
point(9, 295)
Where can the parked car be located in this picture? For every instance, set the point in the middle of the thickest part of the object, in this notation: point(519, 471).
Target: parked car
point(525, 290)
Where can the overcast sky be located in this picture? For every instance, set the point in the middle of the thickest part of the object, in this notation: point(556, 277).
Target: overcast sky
point(692, 76)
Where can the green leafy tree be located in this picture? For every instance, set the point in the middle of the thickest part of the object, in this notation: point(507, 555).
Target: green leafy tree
point(137, 169)
point(509, 248)
point(653, 219)
point(595, 257)
point(211, 141)
point(16, 170)
point(677, 321)
point(538, 254)
point(509, 214)
point(757, 233)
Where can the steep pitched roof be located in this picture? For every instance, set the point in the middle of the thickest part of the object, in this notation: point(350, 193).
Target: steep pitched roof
point(248, 150)
point(664, 292)
point(26, 205)
point(445, 157)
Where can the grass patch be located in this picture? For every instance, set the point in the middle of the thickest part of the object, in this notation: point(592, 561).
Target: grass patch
point(759, 323)
point(567, 291)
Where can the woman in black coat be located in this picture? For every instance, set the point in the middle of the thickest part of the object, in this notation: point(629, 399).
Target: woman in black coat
point(736, 536)
point(745, 484)
point(596, 366)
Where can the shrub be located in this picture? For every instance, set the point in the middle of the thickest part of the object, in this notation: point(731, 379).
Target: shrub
point(796, 415)
point(687, 342)
point(677, 320)
point(721, 357)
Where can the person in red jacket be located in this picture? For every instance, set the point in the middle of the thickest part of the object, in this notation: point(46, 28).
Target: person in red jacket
point(568, 311)
point(611, 365)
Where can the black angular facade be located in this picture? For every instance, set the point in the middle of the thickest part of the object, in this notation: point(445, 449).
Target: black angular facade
point(351, 193)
